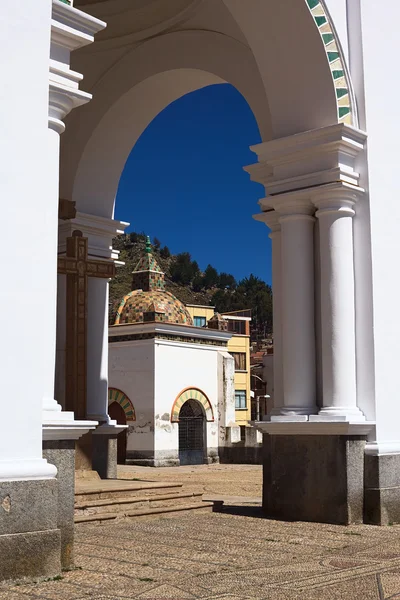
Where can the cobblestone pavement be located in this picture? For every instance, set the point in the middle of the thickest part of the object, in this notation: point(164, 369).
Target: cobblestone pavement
point(234, 555)
point(231, 480)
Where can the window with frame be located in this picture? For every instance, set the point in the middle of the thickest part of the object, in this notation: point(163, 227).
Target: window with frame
point(199, 321)
point(240, 361)
point(240, 399)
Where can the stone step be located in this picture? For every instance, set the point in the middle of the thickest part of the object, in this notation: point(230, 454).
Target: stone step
point(127, 503)
point(108, 516)
point(111, 489)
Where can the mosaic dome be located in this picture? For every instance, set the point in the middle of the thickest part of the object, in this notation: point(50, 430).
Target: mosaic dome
point(156, 305)
point(149, 302)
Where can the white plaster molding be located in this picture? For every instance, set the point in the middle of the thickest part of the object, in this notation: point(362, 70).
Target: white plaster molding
point(61, 101)
point(66, 430)
point(312, 428)
point(26, 469)
point(99, 230)
point(75, 19)
point(70, 29)
point(382, 448)
point(308, 159)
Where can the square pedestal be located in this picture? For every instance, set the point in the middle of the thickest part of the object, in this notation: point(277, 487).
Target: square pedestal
point(382, 489)
point(61, 453)
point(30, 541)
point(104, 459)
point(314, 478)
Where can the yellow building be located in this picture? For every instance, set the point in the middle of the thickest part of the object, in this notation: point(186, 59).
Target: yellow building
point(238, 323)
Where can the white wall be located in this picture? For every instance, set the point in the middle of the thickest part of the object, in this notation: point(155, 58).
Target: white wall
point(131, 370)
point(179, 366)
point(26, 261)
point(373, 68)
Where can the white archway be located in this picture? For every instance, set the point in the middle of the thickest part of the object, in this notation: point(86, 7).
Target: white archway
point(273, 55)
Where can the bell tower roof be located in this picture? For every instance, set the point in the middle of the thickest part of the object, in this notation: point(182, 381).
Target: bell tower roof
point(147, 275)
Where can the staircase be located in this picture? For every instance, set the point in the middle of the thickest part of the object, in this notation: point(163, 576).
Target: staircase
point(107, 500)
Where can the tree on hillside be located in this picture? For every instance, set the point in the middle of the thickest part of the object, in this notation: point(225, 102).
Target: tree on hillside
point(156, 243)
point(210, 277)
point(198, 283)
point(183, 269)
point(251, 292)
point(165, 252)
point(226, 281)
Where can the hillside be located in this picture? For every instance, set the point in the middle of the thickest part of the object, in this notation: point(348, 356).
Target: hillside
point(184, 279)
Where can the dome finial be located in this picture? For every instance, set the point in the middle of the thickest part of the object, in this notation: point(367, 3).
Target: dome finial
point(148, 245)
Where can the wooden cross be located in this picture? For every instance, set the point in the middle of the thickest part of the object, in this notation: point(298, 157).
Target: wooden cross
point(78, 267)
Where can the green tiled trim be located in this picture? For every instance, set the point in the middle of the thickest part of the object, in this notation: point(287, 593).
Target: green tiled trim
point(345, 114)
point(191, 394)
point(115, 395)
point(136, 337)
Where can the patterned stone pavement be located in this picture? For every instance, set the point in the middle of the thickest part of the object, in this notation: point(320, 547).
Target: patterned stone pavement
point(234, 555)
point(225, 556)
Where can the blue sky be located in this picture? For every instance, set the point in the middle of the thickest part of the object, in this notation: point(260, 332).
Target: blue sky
point(184, 183)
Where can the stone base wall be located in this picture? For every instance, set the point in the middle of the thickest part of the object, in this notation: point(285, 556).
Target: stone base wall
point(165, 458)
point(316, 478)
point(30, 541)
point(382, 489)
point(61, 453)
point(240, 454)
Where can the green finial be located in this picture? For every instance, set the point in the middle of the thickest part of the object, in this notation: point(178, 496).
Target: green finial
point(148, 245)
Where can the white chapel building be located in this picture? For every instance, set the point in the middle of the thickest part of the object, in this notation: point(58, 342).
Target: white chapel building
point(173, 381)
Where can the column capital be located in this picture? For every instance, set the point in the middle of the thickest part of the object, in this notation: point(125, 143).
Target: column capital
point(271, 220)
point(338, 198)
point(292, 203)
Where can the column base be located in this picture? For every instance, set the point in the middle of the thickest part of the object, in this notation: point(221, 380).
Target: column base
point(339, 414)
point(315, 478)
point(382, 489)
point(30, 541)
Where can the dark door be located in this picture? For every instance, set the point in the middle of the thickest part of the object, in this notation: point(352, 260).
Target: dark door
point(191, 433)
point(116, 412)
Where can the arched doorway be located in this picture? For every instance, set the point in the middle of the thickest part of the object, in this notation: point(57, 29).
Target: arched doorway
point(116, 412)
point(192, 433)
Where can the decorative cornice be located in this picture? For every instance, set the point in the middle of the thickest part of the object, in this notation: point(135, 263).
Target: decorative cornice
point(70, 29)
point(166, 329)
point(75, 19)
point(99, 230)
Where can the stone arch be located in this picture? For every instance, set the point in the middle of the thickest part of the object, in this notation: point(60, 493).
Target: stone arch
point(341, 79)
point(116, 395)
point(191, 393)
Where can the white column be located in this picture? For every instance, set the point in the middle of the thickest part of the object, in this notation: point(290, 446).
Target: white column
point(48, 350)
point(335, 214)
point(26, 263)
point(61, 339)
point(275, 236)
point(298, 328)
point(271, 220)
point(97, 350)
